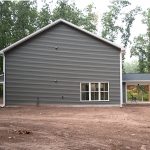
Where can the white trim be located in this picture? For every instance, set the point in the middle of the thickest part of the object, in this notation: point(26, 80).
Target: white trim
point(3, 105)
point(89, 91)
point(99, 100)
point(136, 81)
point(126, 92)
point(80, 92)
point(4, 83)
point(121, 99)
point(138, 102)
point(53, 24)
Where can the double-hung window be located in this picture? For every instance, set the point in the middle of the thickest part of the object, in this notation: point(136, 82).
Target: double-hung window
point(94, 91)
point(85, 91)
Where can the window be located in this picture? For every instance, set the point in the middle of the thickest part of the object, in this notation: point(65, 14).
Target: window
point(95, 91)
point(104, 91)
point(85, 91)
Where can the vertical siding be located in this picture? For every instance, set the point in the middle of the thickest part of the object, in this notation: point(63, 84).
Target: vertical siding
point(52, 65)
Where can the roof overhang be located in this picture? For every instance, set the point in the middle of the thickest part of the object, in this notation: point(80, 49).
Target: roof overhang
point(136, 81)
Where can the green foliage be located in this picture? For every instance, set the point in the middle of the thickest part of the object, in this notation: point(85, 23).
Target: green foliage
point(68, 11)
point(128, 21)
point(21, 18)
point(131, 67)
point(44, 17)
point(5, 23)
point(109, 20)
point(139, 49)
point(90, 18)
point(117, 23)
point(141, 45)
point(24, 17)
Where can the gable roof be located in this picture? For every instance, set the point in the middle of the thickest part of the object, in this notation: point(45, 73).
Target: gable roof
point(131, 77)
point(53, 24)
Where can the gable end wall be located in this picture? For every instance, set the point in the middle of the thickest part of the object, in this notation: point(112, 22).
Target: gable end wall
point(53, 64)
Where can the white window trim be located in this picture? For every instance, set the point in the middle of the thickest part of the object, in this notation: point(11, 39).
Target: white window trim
point(99, 83)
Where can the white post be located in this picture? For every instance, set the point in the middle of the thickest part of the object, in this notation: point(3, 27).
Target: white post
point(121, 100)
point(126, 86)
point(4, 81)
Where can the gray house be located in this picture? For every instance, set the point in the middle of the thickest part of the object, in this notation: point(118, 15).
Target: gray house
point(62, 63)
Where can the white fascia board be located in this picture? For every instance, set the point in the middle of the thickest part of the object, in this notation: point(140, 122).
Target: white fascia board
point(136, 81)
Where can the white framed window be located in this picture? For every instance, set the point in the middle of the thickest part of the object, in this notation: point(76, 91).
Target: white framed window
point(94, 91)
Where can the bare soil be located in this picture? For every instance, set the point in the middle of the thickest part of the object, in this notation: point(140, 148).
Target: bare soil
point(74, 128)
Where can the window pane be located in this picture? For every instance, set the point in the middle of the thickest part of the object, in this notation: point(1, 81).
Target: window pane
point(102, 96)
point(94, 86)
point(94, 96)
point(85, 86)
point(106, 86)
point(106, 95)
point(102, 86)
point(85, 95)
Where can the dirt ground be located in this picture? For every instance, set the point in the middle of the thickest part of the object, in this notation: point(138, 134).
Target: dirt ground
point(74, 128)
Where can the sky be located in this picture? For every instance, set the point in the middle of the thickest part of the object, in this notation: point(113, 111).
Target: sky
point(101, 6)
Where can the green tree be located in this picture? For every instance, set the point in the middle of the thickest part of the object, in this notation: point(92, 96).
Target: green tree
point(5, 26)
point(90, 18)
point(24, 17)
point(109, 20)
point(44, 16)
point(131, 67)
point(141, 46)
point(69, 11)
point(5, 23)
point(139, 49)
point(128, 20)
point(146, 21)
point(117, 23)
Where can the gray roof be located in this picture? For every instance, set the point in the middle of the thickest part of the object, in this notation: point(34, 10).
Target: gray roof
point(136, 77)
point(53, 24)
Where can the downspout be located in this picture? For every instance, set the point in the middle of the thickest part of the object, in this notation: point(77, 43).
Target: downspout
point(121, 97)
point(4, 80)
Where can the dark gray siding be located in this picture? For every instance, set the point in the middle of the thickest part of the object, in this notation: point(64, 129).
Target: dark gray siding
point(33, 67)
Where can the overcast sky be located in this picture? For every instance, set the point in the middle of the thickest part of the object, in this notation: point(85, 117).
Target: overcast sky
point(102, 6)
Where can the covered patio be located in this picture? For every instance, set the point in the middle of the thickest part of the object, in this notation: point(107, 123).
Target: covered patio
point(136, 88)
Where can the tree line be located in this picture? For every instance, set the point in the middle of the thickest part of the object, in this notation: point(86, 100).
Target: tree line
point(21, 18)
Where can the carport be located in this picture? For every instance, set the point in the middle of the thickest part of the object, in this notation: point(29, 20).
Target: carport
point(136, 88)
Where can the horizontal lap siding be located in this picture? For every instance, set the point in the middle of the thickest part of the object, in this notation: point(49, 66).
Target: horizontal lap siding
point(33, 67)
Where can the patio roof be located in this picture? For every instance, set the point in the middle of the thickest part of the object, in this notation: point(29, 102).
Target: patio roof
point(131, 77)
